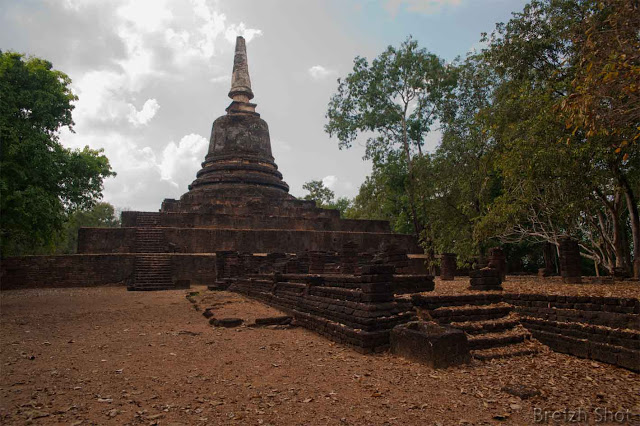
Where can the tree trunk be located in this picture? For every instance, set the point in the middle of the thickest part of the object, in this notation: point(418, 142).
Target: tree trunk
point(412, 198)
point(632, 205)
point(549, 258)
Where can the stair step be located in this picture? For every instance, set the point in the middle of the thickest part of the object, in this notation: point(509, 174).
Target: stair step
point(521, 349)
point(467, 313)
point(151, 288)
point(493, 340)
point(487, 326)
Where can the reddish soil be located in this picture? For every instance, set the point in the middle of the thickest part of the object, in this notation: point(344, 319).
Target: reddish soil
point(108, 356)
point(550, 285)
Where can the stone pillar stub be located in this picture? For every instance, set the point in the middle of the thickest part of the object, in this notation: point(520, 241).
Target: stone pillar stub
point(570, 267)
point(448, 266)
point(498, 260)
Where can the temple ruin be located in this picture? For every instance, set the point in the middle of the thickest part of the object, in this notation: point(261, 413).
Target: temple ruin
point(237, 228)
point(238, 202)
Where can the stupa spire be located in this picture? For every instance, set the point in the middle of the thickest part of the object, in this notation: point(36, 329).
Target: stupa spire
point(240, 82)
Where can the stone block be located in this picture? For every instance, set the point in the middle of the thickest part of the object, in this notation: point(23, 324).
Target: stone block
point(431, 344)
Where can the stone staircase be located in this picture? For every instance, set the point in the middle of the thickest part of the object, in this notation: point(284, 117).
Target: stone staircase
point(152, 272)
point(493, 329)
point(151, 240)
point(147, 219)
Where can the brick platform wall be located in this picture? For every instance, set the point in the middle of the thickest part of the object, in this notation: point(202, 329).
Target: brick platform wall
point(90, 270)
point(355, 310)
point(605, 329)
point(93, 270)
point(199, 269)
point(106, 240)
point(234, 221)
point(206, 240)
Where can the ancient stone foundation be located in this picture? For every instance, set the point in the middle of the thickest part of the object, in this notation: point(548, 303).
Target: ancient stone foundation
point(431, 344)
point(485, 279)
point(570, 268)
point(358, 309)
point(605, 329)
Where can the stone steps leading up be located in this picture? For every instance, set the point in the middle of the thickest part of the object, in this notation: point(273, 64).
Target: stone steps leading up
point(150, 240)
point(521, 349)
point(152, 272)
point(488, 326)
point(492, 329)
point(466, 313)
point(503, 338)
point(148, 219)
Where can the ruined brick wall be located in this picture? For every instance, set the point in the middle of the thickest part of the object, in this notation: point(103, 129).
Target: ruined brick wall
point(106, 240)
point(201, 240)
point(605, 329)
point(199, 269)
point(355, 310)
point(275, 241)
point(237, 221)
point(93, 270)
point(65, 271)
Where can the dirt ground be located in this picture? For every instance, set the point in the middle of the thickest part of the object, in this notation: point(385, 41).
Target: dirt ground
point(550, 285)
point(108, 356)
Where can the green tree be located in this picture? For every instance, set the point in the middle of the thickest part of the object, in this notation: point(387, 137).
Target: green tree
point(319, 193)
point(394, 101)
point(458, 181)
point(101, 215)
point(604, 99)
point(324, 197)
point(556, 180)
point(41, 181)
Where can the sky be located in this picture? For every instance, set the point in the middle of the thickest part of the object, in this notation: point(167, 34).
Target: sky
point(152, 75)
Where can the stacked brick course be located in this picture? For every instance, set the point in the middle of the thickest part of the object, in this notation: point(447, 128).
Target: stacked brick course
point(485, 279)
point(498, 260)
point(606, 329)
point(570, 268)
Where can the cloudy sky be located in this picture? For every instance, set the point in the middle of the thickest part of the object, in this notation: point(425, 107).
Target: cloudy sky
point(152, 75)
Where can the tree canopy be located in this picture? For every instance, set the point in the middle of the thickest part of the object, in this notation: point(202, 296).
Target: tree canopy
point(41, 181)
point(539, 135)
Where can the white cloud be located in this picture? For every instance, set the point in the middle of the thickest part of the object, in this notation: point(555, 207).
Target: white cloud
point(426, 7)
point(240, 29)
point(330, 181)
point(145, 15)
point(221, 79)
point(318, 72)
point(180, 162)
point(142, 117)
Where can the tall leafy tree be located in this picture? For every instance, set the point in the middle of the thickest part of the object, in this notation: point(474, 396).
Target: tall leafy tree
point(604, 99)
point(394, 102)
point(41, 181)
point(458, 181)
point(556, 179)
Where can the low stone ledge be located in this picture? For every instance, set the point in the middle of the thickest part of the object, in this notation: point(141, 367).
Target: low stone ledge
point(430, 344)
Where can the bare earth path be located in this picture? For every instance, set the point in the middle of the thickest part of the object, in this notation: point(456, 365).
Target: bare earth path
point(108, 356)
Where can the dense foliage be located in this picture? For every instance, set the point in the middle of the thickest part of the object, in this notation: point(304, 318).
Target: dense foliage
point(539, 136)
point(41, 182)
point(325, 197)
point(101, 215)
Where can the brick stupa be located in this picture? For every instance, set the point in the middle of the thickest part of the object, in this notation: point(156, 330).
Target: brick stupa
point(238, 202)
